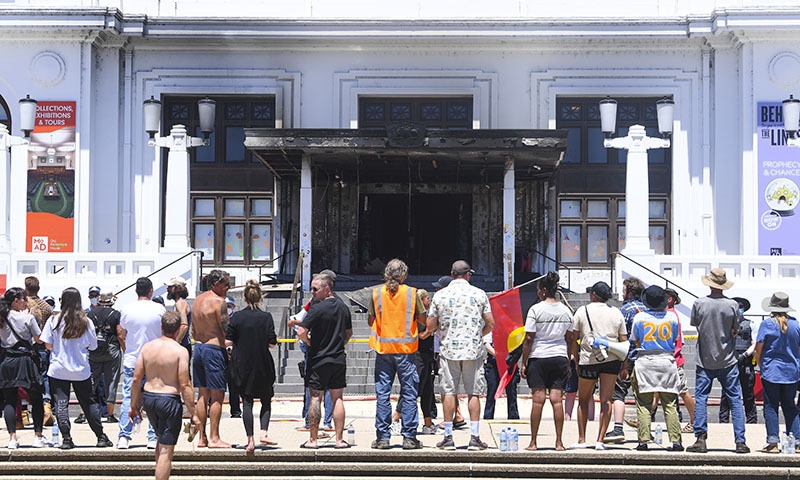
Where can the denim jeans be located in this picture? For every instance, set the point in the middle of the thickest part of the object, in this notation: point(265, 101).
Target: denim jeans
point(780, 394)
point(125, 424)
point(404, 366)
point(492, 382)
point(729, 379)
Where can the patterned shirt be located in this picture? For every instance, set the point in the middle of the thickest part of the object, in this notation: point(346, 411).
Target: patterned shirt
point(40, 309)
point(460, 308)
point(629, 310)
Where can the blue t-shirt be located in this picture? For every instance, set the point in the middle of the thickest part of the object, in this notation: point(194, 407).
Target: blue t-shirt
point(656, 330)
point(780, 355)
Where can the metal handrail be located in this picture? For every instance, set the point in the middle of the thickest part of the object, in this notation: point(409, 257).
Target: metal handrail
point(668, 281)
point(193, 252)
point(558, 265)
point(270, 262)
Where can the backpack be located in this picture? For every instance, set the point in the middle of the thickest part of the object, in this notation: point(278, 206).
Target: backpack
point(99, 320)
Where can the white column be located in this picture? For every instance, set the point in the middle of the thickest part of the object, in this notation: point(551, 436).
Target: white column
point(18, 198)
point(305, 220)
point(637, 197)
point(509, 226)
point(5, 239)
point(637, 188)
point(176, 224)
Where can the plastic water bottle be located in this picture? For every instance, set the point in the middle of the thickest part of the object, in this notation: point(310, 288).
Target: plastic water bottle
point(513, 440)
point(784, 443)
point(790, 443)
point(504, 440)
point(54, 440)
point(659, 436)
point(351, 436)
point(136, 423)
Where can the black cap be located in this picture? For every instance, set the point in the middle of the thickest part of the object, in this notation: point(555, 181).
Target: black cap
point(602, 290)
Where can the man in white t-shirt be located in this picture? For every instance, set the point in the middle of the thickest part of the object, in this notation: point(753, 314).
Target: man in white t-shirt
point(140, 323)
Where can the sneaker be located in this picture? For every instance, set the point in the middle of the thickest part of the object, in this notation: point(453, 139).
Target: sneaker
point(395, 428)
point(236, 414)
point(642, 447)
point(600, 446)
point(39, 442)
point(742, 447)
point(615, 436)
point(151, 444)
point(699, 445)
point(446, 443)
point(676, 447)
point(123, 443)
point(67, 444)
point(103, 441)
point(577, 446)
point(13, 444)
point(476, 444)
point(81, 418)
point(112, 419)
point(411, 444)
point(381, 445)
point(432, 430)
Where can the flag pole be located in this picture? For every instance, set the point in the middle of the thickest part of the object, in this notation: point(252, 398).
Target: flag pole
point(531, 281)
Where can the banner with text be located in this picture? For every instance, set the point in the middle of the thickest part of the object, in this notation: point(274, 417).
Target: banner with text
point(51, 179)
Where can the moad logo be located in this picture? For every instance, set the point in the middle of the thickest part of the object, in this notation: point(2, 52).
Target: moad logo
point(39, 244)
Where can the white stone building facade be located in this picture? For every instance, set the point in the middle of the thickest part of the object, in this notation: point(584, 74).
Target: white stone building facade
point(316, 64)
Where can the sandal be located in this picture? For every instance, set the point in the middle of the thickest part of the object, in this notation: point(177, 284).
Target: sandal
point(688, 428)
point(771, 448)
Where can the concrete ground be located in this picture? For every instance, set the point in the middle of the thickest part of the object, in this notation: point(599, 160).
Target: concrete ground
point(360, 416)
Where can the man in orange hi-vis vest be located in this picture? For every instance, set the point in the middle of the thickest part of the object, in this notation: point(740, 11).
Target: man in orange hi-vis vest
point(395, 314)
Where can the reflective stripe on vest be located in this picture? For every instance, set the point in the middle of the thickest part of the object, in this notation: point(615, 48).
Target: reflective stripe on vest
point(394, 337)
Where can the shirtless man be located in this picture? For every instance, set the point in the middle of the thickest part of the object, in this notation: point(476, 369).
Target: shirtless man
point(209, 323)
point(164, 363)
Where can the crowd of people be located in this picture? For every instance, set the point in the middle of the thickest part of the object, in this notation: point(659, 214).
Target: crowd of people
point(416, 336)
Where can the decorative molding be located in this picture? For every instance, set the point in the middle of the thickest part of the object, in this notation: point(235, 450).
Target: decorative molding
point(48, 69)
point(784, 70)
point(350, 85)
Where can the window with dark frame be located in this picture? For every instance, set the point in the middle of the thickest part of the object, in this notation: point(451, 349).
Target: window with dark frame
point(231, 191)
point(433, 112)
point(591, 182)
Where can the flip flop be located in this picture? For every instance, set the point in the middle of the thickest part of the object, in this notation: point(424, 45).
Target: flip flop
point(340, 447)
point(303, 445)
point(267, 442)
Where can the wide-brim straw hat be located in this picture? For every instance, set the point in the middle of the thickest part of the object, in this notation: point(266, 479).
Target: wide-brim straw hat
point(717, 278)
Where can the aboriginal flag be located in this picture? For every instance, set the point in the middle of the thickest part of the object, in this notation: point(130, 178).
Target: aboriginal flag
point(508, 334)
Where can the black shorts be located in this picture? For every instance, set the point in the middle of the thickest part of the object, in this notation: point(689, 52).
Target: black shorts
point(164, 412)
point(550, 372)
point(593, 372)
point(622, 387)
point(328, 376)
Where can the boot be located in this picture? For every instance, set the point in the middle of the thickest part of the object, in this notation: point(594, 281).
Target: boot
point(49, 419)
point(699, 445)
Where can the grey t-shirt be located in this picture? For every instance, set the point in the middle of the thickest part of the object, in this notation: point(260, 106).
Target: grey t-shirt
point(24, 324)
point(716, 318)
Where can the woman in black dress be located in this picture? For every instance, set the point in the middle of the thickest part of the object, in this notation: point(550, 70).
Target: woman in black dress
point(251, 333)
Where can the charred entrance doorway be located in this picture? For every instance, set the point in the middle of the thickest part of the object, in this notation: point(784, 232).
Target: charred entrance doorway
point(427, 231)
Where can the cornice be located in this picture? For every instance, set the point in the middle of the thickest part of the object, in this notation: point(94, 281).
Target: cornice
point(76, 23)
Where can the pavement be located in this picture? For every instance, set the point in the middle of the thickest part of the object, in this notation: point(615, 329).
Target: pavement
point(360, 415)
